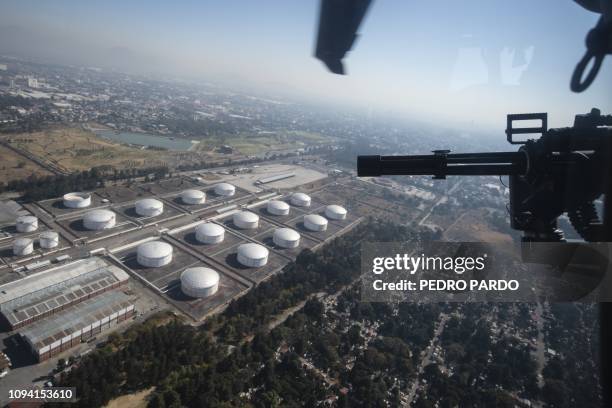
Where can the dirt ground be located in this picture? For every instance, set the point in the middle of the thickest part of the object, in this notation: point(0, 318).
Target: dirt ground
point(470, 226)
point(137, 400)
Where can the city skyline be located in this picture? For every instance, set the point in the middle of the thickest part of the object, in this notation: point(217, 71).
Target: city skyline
point(467, 67)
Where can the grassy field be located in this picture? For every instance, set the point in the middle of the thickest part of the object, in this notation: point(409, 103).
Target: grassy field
point(77, 149)
point(250, 144)
point(16, 167)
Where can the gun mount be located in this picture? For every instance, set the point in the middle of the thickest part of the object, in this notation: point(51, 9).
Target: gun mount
point(563, 170)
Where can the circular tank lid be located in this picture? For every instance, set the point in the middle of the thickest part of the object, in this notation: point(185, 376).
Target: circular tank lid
point(193, 194)
point(100, 215)
point(77, 196)
point(149, 203)
point(253, 251)
point(336, 209)
point(246, 216)
point(26, 219)
point(278, 205)
point(286, 234)
point(224, 187)
point(210, 229)
point(315, 219)
point(199, 277)
point(49, 235)
point(155, 249)
point(300, 197)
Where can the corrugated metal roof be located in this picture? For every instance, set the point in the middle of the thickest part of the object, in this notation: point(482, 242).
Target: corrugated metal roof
point(75, 318)
point(37, 293)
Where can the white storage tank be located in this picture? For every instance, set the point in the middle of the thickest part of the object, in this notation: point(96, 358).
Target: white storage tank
point(210, 233)
point(314, 222)
point(335, 212)
point(252, 255)
point(98, 220)
point(48, 239)
point(26, 223)
point(276, 207)
point(199, 282)
point(154, 254)
point(246, 220)
point(77, 200)
point(23, 246)
point(225, 190)
point(193, 197)
point(300, 200)
point(149, 207)
point(286, 238)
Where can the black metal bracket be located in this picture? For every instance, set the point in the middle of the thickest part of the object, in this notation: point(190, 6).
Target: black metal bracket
point(511, 131)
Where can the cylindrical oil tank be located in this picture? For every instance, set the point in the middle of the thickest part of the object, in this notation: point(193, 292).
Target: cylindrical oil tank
point(246, 220)
point(277, 207)
point(149, 207)
point(286, 238)
point(193, 197)
point(335, 212)
point(98, 220)
point(252, 255)
point(26, 223)
point(154, 254)
point(199, 282)
point(209, 233)
point(77, 200)
point(225, 190)
point(23, 246)
point(315, 222)
point(48, 239)
point(300, 200)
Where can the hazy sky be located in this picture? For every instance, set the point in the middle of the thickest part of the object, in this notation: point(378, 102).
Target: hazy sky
point(472, 60)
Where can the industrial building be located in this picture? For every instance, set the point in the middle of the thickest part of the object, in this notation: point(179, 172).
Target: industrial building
point(300, 200)
point(225, 190)
point(77, 324)
point(77, 200)
point(154, 254)
point(23, 246)
point(252, 255)
point(26, 223)
point(276, 207)
point(335, 212)
point(246, 220)
point(98, 220)
point(315, 222)
point(199, 282)
point(48, 239)
point(36, 296)
point(149, 207)
point(286, 238)
point(192, 197)
point(210, 233)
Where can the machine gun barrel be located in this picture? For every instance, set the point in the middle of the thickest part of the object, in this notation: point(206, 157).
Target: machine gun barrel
point(441, 164)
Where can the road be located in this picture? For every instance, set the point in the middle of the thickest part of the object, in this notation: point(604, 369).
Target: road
point(425, 359)
point(442, 199)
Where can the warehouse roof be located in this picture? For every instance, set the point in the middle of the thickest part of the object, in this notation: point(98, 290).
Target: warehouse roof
point(75, 318)
point(41, 292)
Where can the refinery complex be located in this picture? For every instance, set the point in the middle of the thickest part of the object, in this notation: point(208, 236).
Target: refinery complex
point(87, 262)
